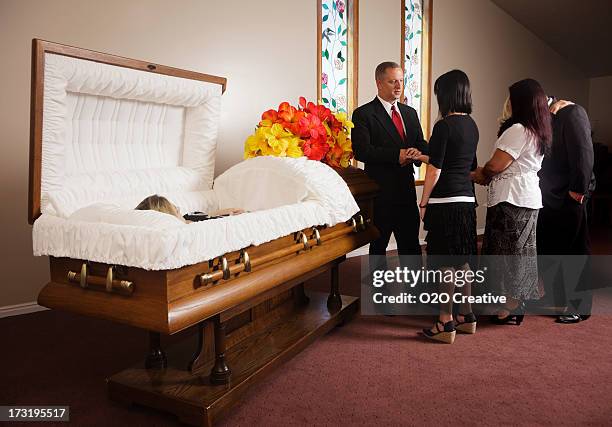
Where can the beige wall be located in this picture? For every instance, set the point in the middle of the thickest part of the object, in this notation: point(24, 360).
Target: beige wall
point(267, 50)
point(379, 41)
point(600, 109)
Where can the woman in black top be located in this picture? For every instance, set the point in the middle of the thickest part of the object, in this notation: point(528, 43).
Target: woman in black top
point(448, 205)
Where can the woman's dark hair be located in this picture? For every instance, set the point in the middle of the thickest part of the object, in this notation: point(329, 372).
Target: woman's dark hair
point(453, 92)
point(530, 108)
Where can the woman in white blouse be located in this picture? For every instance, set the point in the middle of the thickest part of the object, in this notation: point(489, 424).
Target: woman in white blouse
point(514, 198)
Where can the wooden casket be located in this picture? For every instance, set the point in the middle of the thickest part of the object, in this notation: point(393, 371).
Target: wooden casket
point(106, 132)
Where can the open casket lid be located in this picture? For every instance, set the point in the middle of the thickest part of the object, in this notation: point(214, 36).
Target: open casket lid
point(108, 128)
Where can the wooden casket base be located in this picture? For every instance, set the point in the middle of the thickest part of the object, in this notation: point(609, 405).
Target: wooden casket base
point(272, 339)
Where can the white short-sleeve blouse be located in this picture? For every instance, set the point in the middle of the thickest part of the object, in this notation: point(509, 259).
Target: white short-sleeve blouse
point(519, 183)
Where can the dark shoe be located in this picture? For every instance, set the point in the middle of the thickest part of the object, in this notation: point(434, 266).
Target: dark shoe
point(572, 318)
point(515, 317)
point(468, 326)
point(446, 334)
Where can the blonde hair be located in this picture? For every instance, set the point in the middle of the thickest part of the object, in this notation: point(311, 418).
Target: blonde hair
point(160, 204)
point(506, 111)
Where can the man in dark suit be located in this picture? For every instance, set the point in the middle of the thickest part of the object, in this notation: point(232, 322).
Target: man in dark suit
point(566, 180)
point(386, 137)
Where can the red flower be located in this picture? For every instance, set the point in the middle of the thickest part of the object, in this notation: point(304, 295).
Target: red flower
point(315, 149)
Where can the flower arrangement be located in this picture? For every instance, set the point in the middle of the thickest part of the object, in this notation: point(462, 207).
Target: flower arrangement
point(309, 130)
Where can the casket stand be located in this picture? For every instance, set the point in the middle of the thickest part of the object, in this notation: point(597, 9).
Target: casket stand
point(248, 306)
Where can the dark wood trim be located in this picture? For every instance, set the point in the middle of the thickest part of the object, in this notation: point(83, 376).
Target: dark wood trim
point(39, 48)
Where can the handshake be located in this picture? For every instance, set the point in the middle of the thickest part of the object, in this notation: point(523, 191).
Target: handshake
point(408, 155)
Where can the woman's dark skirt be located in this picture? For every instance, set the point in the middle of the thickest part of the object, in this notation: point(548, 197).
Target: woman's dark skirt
point(451, 234)
point(510, 249)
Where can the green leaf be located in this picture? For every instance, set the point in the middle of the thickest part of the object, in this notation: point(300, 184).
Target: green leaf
point(419, 31)
point(323, 86)
point(343, 43)
point(410, 36)
point(420, 17)
point(342, 59)
point(341, 110)
point(341, 15)
point(341, 82)
point(418, 95)
point(411, 75)
point(326, 54)
point(326, 7)
point(339, 54)
point(409, 16)
point(339, 29)
point(334, 5)
point(416, 50)
point(334, 102)
point(325, 100)
point(325, 18)
point(412, 7)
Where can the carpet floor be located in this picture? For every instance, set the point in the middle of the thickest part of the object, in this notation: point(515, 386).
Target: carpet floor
point(373, 371)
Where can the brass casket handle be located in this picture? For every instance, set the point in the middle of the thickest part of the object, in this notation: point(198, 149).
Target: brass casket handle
point(108, 283)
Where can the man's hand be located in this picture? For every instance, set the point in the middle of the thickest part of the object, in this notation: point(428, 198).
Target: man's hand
point(577, 196)
point(562, 103)
point(407, 155)
point(479, 177)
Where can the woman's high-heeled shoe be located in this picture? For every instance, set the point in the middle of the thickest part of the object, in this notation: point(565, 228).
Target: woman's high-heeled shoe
point(445, 334)
point(515, 317)
point(468, 326)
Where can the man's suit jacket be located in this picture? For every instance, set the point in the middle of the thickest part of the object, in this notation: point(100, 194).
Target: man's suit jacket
point(377, 144)
point(569, 165)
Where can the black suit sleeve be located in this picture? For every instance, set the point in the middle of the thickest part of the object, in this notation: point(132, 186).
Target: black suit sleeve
point(363, 148)
point(577, 136)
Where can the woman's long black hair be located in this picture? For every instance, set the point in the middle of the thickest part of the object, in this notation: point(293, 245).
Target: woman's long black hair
point(530, 108)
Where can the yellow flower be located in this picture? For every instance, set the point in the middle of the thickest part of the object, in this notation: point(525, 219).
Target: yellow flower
point(343, 118)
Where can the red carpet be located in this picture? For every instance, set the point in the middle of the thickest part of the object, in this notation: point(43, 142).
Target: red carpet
point(372, 371)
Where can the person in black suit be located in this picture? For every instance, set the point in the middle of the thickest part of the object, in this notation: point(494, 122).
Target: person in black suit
point(566, 180)
point(387, 137)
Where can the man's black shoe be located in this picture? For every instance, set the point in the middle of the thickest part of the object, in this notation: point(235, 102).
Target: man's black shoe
point(572, 318)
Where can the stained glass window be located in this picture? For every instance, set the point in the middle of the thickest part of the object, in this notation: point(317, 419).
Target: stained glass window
point(416, 42)
point(337, 54)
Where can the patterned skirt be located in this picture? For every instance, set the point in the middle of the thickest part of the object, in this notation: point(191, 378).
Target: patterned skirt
point(510, 249)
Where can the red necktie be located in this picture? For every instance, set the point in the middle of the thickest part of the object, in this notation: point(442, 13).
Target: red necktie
point(397, 121)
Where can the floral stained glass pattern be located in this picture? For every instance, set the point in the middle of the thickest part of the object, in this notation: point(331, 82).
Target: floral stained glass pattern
point(413, 37)
point(334, 54)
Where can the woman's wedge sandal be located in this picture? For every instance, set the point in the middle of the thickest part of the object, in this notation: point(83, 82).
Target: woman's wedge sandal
point(468, 326)
point(446, 334)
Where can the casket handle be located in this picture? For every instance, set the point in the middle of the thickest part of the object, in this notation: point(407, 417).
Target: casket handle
point(83, 278)
point(361, 222)
point(108, 283)
point(301, 237)
point(246, 260)
point(317, 235)
point(225, 267)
